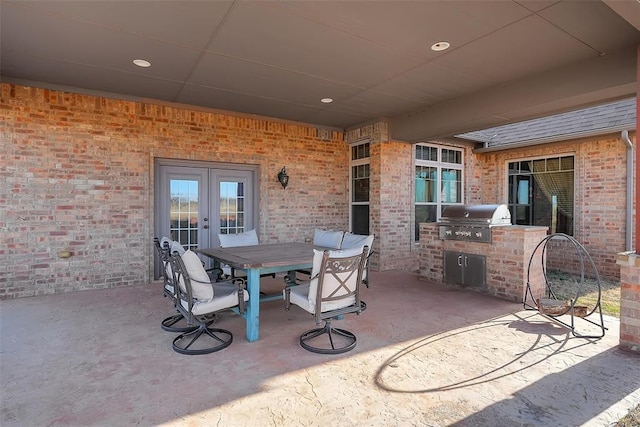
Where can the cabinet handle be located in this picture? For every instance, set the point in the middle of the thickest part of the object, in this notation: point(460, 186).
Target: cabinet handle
point(459, 260)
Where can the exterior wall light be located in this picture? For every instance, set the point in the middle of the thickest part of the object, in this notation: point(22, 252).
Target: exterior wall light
point(283, 178)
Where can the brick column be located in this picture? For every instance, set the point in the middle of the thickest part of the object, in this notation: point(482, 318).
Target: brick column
point(629, 301)
point(390, 201)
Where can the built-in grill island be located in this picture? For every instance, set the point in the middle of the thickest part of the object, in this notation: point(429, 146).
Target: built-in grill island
point(476, 246)
point(472, 223)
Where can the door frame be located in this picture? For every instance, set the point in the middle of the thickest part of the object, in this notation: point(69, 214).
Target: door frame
point(158, 162)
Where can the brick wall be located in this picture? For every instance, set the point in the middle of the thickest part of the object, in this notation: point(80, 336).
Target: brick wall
point(396, 206)
point(629, 301)
point(76, 173)
point(600, 192)
point(390, 200)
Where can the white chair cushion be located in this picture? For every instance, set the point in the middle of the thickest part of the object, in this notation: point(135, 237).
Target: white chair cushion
point(299, 295)
point(226, 296)
point(328, 238)
point(248, 238)
point(200, 283)
point(305, 295)
point(169, 288)
point(356, 241)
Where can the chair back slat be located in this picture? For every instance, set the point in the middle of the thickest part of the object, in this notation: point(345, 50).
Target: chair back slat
point(338, 283)
point(163, 249)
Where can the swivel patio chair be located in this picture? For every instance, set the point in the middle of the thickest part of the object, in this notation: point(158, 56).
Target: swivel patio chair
point(164, 247)
point(333, 291)
point(199, 301)
point(324, 239)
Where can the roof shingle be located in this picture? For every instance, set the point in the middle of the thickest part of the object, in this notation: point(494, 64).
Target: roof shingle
point(601, 119)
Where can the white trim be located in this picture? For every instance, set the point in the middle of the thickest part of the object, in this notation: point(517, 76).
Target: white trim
point(352, 164)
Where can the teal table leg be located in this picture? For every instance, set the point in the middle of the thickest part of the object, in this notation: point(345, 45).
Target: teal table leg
point(253, 308)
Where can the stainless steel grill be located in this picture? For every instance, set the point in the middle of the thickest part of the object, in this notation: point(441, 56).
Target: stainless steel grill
point(472, 223)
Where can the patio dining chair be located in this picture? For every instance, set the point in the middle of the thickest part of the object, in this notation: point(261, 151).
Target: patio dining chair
point(333, 291)
point(325, 239)
point(247, 238)
point(328, 238)
point(164, 248)
point(199, 301)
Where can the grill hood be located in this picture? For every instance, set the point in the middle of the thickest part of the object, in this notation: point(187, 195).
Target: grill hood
point(477, 215)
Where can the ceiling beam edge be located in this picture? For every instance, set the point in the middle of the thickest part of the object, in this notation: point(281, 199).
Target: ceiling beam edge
point(581, 84)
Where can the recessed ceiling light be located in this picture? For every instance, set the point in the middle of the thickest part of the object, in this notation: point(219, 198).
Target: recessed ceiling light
point(440, 46)
point(142, 63)
point(326, 100)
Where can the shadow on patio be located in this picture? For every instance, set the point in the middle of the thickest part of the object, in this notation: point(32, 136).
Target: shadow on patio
point(427, 354)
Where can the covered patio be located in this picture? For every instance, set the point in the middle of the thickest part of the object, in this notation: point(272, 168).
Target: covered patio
point(427, 354)
point(355, 99)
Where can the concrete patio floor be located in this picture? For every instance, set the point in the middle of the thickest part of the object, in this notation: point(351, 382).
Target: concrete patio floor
point(427, 355)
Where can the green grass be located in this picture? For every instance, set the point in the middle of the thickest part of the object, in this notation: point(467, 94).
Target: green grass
point(568, 286)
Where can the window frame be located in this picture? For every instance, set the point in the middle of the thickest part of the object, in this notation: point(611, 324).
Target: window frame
point(546, 158)
point(439, 166)
point(354, 163)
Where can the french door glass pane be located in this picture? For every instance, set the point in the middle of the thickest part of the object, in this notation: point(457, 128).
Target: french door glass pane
point(232, 204)
point(183, 212)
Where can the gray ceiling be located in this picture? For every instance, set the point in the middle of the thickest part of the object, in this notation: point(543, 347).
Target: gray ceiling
point(508, 61)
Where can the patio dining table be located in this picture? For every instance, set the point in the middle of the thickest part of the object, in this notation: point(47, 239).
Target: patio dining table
point(257, 260)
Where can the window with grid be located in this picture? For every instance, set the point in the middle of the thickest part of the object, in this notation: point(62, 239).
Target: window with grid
point(360, 188)
point(541, 192)
point(438, 182)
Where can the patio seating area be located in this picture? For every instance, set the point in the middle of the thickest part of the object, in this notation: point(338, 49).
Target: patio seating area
point(427, 354)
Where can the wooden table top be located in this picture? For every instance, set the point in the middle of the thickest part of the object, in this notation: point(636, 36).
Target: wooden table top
point(263, 256)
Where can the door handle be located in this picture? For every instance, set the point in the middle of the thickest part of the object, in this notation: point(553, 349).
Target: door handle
point(206, 227)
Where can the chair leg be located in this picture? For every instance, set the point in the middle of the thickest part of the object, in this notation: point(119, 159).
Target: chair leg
point(221, 339)
point(331, 332)
point(177, 323)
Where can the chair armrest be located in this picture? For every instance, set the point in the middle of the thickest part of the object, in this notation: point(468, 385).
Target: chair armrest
point(215, 274)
